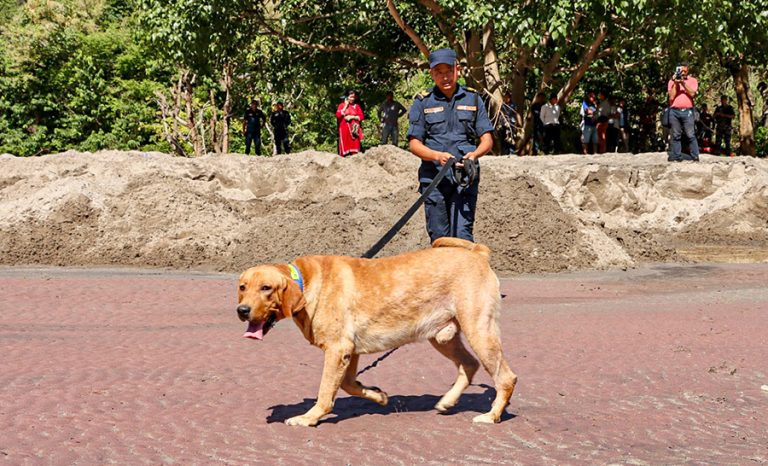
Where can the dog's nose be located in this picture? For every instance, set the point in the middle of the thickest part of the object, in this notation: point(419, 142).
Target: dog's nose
point(243, 311)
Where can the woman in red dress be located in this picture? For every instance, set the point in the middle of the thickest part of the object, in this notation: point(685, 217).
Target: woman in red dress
point(350, 117)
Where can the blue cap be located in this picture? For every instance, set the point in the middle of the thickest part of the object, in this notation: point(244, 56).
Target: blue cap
point(442, 57)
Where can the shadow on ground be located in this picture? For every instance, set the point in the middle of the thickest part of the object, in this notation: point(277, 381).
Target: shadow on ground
point(351, 407)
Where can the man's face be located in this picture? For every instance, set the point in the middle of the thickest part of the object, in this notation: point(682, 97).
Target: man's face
point(553, 100)
point(279, 107)
point(507, 98)
point(591, 97)
point(254, 105)
point(684, 70)
point(445, 77)
point(724, 101)
point(390, 98)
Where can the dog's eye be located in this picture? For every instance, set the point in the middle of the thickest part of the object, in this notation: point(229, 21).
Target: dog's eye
point(242, 287)
point(266, 288)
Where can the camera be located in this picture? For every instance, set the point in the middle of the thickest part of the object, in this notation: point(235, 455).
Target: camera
point(679, 73)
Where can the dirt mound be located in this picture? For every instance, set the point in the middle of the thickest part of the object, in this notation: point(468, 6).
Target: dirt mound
point(228, 212)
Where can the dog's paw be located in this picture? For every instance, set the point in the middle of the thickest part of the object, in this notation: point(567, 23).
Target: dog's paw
point(383, 398)
point(302, 421)
point(486, 418)
point(443, 408)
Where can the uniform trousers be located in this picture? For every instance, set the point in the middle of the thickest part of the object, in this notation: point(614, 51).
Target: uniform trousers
point(450, 209)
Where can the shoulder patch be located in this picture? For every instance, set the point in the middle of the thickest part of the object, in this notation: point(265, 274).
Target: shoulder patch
point(422, 95)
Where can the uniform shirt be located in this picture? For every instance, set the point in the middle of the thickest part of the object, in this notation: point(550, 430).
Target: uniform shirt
point(682, 100)
point(550, 114)
point(447, 125)
point(280, 120)
point(253, 120)
point(389, 112)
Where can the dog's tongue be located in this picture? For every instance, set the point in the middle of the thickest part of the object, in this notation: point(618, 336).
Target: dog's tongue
point(255, 331)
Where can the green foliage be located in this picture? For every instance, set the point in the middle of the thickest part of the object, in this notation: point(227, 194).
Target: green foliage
point(74, 76)
point(761, 141)
point(74, 83)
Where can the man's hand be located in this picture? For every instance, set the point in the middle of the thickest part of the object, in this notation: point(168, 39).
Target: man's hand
point(443, 157)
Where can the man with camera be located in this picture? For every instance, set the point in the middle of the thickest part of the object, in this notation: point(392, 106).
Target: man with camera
point(682, 89)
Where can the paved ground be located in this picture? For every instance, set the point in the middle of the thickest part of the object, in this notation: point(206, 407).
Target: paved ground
point(654, 366)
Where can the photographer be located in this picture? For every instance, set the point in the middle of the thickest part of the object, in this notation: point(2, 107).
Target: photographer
point(682, 88)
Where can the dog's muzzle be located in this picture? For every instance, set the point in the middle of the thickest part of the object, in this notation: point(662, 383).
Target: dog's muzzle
point(243, 311)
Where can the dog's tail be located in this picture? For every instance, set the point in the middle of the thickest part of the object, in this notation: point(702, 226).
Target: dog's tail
point(448, 242)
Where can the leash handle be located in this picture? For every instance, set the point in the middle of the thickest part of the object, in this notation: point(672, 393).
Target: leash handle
point(409, 213)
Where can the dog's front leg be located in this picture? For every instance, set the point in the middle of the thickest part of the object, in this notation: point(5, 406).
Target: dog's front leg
point(336, 363)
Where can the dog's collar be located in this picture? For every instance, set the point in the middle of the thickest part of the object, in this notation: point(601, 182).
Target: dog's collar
point(296, 276)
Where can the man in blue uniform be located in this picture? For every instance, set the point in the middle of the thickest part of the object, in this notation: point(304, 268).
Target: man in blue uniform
point(252, 121)
point(444, 123)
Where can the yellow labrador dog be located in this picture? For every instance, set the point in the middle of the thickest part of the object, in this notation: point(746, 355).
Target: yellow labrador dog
point(348, 306)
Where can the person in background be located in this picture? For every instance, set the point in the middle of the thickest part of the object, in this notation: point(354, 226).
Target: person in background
point(704, 128)
point(724, 115)
point(648, 137)
point(448, 122)
point(390, 112)
point(538, 126)
point(762, 87)
point(280, 120)
point(682, 88)
point(252, 121)
point(550, 118)
point(604, 112)
point(588, 124)
point(350, 117)
point(508, 124)
point(623, 120)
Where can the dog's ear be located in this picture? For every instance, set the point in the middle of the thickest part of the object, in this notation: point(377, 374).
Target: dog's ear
point(292, 299)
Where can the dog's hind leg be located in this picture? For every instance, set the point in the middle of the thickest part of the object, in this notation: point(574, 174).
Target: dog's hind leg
point(483, 336)
point(467, 365)
point(351, 385)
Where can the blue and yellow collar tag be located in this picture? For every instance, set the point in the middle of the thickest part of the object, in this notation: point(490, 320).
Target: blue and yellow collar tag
point(296, 276)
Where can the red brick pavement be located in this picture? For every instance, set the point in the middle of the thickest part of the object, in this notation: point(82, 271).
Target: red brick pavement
point(652, 366)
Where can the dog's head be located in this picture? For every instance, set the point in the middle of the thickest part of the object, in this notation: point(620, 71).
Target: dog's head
point(267, 294)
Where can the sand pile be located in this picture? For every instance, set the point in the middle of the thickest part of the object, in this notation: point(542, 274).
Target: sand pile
point(229, 212)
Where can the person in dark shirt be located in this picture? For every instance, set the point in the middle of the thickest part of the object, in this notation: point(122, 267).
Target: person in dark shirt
point(280, 120)
point(724, 115)
point(538, 125)
point(705, 124)
point(252, 121)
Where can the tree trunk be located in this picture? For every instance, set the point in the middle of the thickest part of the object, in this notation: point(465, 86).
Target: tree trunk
point(740, 73)
point(493, 86)
point(475, 73)
point(519, 82)
point(214, 122)
point(586, 60)
point(188, 86)
point(226, 109)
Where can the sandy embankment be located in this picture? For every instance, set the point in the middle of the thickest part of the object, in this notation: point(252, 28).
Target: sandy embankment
point(225, 213)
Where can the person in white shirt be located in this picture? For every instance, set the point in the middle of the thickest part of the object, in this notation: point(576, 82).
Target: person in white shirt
point(550, 116)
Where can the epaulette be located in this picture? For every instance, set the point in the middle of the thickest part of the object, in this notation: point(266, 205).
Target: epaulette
point(421, 95)
point(470, 89)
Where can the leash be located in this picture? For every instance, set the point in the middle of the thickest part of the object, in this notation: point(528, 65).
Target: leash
point(393, 231)
point(409, 213)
